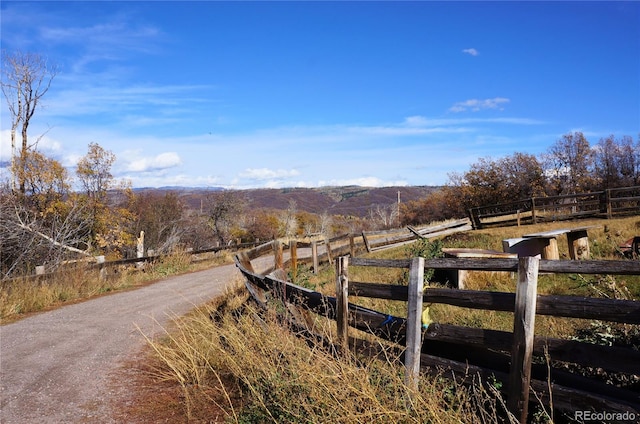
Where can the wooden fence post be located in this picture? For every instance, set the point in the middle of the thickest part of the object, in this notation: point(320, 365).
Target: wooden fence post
point(475, 219)
point(102, 273)
point(277, 252)
point(414, 323)
point(342, 300)
point(366, 242)
point(328, 244)
point(607, 194)
point(523, 331)
point(533, 211)
point(293, 246)
point(140, 248)
point(352, 245)
point(314, 256)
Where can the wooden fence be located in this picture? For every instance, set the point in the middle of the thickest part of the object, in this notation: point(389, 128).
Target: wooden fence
point(332, 247)
point(99, 263)
point(523, 363)
point(601, 204)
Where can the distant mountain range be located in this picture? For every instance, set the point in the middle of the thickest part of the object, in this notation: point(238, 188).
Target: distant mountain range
point(344, 200)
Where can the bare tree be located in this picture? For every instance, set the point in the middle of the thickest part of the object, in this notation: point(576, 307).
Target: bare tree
point(223, 209)
point(289, 220)
point(629, 161)
point(26, 77)
point(161, 217)
point(608, 162)
point(27, 240)
point(383, 216)
point(569, 164)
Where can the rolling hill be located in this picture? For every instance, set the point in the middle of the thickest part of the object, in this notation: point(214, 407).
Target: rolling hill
point(345, 200)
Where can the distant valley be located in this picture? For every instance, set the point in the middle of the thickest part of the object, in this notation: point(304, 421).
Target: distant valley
point(344, 200)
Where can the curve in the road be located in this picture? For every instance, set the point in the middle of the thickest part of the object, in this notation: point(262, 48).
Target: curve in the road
point(55, 366)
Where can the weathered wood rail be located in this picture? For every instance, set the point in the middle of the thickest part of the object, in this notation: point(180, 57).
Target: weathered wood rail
point(100, 264)
point(523, 362)
point(379, 239)
point(602, 204)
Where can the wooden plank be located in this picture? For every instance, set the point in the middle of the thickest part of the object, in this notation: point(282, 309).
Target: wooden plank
point(340, 237)
point(591, 267)
point(414, 323)
point(260, 250)
point(437, 228)
point(627, 360)
point(342, 299)
point(616, 310)
point(415, 232)
point(387, 241)
point(383, 263)
point(243, 261)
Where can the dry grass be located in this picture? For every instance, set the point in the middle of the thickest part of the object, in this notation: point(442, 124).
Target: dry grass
point(245, 362)
point(23, 296)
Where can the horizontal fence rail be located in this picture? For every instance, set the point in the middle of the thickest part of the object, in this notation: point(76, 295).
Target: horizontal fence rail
point(99, 263)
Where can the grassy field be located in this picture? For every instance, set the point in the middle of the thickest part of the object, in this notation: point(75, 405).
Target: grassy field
point(228, 362)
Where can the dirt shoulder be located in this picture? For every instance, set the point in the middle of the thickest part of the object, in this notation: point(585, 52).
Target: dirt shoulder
point(59, 366)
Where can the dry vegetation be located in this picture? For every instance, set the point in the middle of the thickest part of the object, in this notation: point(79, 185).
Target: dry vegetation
point(233, 363)
point(22, 296)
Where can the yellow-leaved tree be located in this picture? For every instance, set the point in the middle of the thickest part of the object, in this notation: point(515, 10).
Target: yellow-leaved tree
point(109, 215)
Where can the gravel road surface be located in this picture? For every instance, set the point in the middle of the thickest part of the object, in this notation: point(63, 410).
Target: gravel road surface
point(55, 366)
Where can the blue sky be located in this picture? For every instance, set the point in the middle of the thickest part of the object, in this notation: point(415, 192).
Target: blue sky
point(283, 94)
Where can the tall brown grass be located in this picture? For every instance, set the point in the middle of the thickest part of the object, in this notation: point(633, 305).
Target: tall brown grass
point(246, 363)
point(32, 294)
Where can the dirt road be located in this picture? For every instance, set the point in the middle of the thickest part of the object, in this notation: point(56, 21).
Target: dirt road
point(55, 366)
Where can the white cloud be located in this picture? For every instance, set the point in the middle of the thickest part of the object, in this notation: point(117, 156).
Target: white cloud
point(476, 105)
point(472, 52)
point(268, 174)
point(157, 163)
point(416, 121)
point(448, 122)
point(45, 144)
point(362, 181)
point(5, 145)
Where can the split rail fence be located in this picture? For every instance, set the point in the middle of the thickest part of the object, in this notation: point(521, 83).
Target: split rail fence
point(601, 204)
point(530, 368)
point(99, 263)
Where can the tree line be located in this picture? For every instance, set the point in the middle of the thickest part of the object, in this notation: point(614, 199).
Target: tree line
point(571, 165)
